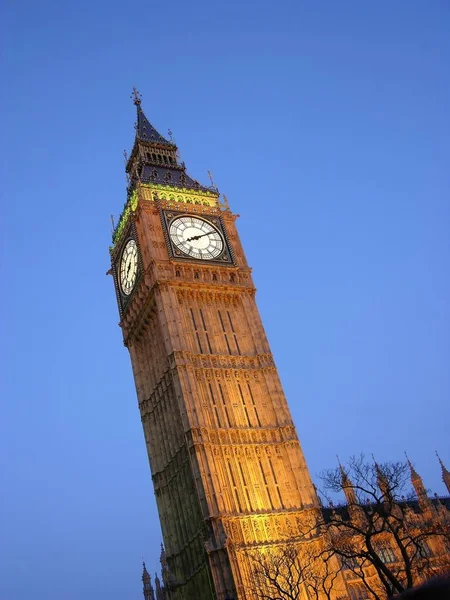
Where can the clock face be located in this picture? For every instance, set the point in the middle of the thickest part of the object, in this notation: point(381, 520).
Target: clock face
point(128, 267)
point(196, 237)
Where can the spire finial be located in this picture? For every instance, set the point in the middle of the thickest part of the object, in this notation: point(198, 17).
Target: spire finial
point(377, 467)
point(409, 462)
point(414, 474)
point(382, 481)
point(146, 579)
point(445, 473)
point(341, 468)
point(136, 97)
point(440, 461)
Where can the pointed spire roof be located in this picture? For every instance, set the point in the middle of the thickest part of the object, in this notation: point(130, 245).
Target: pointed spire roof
point(154, 159)
point(145, 131)
point(145, 574)
point(347, 484)
point(383, 483)
point(445, 473)
point(418, 484)
point(414, 474)
point(345, 480)
point(379, 472)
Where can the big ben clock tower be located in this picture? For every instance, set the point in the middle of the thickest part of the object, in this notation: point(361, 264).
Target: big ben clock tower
point(227, 467)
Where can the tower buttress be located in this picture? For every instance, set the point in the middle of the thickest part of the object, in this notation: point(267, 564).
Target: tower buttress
point(445, 473)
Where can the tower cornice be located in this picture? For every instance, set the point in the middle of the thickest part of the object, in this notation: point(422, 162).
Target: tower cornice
point(193, 198)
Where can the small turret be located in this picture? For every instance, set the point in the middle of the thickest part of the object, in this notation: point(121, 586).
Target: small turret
point(445, 473)
point(347, 486)
point(149, 593)
point(382, 481)
point(418, 485)
point(168, 580)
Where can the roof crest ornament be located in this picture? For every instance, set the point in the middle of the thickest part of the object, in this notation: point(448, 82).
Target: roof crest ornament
point(136, 96)
point(409, 462)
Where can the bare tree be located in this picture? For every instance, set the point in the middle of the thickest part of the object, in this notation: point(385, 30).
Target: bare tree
point(276, 573)
point(387, 541)
point(381, 541)
point(285, 572)
point(320, 573)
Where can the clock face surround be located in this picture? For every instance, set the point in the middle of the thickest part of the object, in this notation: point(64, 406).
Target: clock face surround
point(128, 267)
point(196, 237)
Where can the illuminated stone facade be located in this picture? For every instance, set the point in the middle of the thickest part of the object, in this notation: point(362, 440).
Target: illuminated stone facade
point(224, 454)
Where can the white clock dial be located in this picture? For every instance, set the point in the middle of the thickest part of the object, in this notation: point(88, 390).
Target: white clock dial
point(196, 237)
point(128, 267)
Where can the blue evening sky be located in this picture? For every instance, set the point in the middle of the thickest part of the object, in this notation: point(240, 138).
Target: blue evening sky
point(327, 126)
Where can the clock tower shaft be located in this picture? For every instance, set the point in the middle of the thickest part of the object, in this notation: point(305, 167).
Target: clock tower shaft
point(227, 467)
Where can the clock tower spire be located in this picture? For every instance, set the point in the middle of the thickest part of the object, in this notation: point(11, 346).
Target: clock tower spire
point(153, 158)
point(227, 467)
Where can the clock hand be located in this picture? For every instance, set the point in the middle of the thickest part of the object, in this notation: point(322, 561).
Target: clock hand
point(197, 237)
